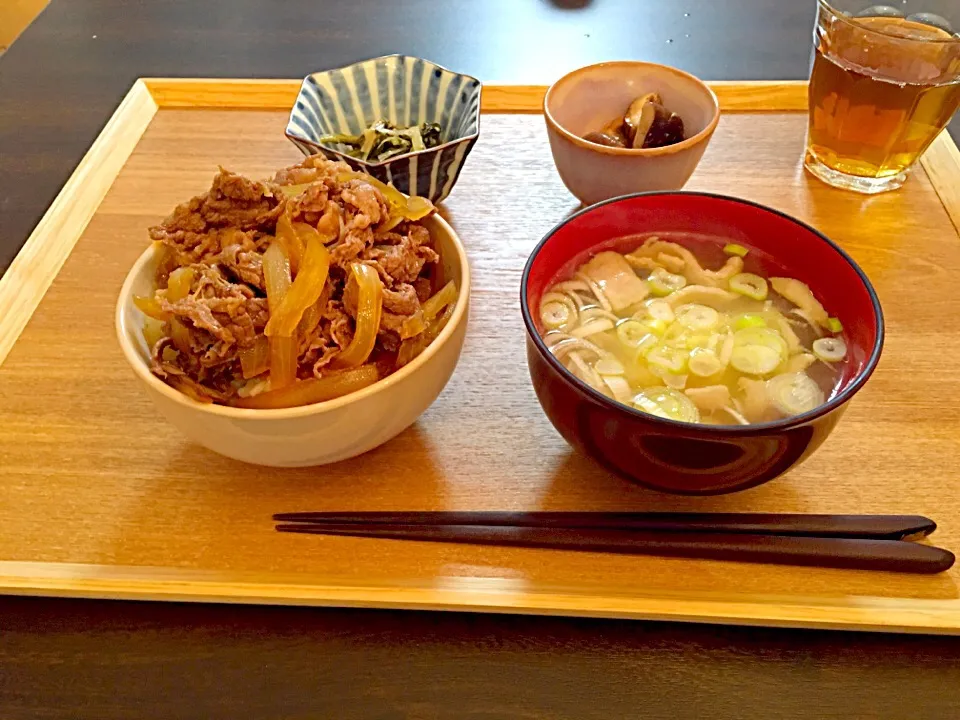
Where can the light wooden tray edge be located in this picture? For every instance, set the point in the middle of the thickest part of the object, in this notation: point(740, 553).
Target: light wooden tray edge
point(478, 595)
point(26, 281)
point(280, 94)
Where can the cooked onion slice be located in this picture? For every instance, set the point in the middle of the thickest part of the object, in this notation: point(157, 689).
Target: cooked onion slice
point(592, 328)
point(830, 349)
point(671, 380)
point(581, 369)
point(609, 365)
point(710, 399)
point(735, 415)
point(800, 362)
point(619, 387)
point(794, 393)
point(568, 344)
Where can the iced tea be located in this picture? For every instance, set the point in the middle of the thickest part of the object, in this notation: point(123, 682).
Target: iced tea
point(881, 89)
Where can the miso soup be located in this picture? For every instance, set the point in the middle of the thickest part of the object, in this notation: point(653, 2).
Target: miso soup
point(685, 332)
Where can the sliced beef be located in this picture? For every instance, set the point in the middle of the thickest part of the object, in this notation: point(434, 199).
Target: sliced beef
point(424, 288)
point(341, 325)
point(245, 265)
point(352, 245)
point(233, 201)
point(200, 228)
point(364, 203)
point(402, 300)
point(222, 235)
point(403, 260)
point(228, 311)
point(312, 169)
point(313, 200)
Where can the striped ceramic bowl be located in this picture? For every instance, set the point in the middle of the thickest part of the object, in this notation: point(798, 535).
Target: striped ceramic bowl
point(406, 91)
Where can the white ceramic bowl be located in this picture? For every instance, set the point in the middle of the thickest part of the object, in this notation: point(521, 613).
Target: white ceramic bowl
point(313, 434)
point(588, 98)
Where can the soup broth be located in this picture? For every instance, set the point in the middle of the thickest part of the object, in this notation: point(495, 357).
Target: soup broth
point(695, 331)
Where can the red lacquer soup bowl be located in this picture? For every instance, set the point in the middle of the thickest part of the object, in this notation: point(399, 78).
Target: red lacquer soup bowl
point(681, 457)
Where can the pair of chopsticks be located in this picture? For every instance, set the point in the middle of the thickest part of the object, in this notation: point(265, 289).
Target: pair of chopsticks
point(863, 542)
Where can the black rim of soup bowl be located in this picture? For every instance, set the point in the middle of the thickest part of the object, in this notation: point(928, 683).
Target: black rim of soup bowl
point(722, 430)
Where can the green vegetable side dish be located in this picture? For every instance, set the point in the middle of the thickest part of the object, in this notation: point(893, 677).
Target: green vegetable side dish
point(383, 140)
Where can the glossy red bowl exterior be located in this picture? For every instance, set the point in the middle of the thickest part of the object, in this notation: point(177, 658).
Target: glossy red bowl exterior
point(690, 458)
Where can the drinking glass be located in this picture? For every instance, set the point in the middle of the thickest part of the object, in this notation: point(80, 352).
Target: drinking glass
point(885, 82)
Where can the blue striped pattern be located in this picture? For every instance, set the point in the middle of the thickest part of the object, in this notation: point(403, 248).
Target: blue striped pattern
point(406, 91)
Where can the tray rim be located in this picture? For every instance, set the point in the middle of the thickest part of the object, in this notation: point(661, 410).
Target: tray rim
point(35, 267)
point(494, 595)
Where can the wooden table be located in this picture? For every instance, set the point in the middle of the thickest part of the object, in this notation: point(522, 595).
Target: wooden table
point(82, 659)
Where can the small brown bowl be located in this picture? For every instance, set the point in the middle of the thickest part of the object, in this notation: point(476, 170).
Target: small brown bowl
point(587, 99)
point(690, 458)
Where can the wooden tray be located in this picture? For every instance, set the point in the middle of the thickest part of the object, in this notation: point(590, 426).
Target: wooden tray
point(99, 497)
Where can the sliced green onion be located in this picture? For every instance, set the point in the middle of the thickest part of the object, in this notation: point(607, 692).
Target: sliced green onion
point(726, 349)
point(834, 325)
point(734, 249)
point(676, 336)
point(662, 282)
point(830, 349)
point(656, 326)
point(648, 342)
point(697, 317)
point(555, 315)
point(632, 332)
point(794, 393)
point(699, 341)
point(749, 285)
point(704, 363)
point(660, 310)
point(749, 320)
point(758, 351)
point(667, 403)
point(667, 358)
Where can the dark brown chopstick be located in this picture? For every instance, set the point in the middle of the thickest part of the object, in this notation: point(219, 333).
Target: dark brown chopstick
point(849, 553)
point(878, 527)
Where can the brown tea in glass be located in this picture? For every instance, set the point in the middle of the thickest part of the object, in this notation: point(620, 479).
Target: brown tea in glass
point(882, 87)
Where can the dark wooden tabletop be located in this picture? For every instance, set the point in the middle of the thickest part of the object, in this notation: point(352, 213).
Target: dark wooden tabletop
point(87, 660)
point(77, 659)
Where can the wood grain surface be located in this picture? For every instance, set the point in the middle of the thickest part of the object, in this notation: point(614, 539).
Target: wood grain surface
point(93, 477)
point(736, 95)
point(113, 661)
